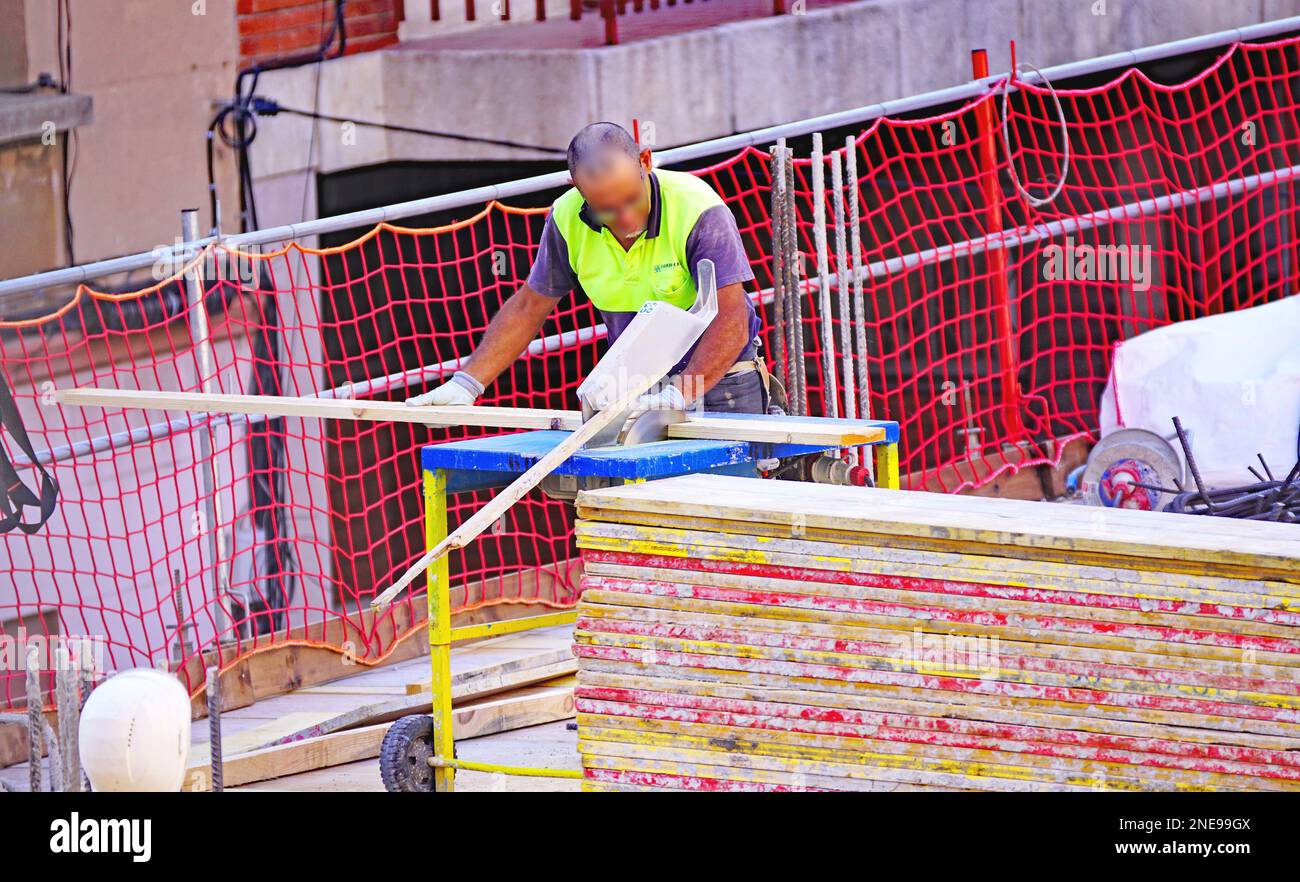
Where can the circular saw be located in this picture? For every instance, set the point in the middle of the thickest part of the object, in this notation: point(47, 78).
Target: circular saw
point(1132, 468)
point(636, 428)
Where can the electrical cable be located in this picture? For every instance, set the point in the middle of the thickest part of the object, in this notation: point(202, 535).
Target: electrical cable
point(315, 132)
point(269, 107)
point(235, 123)
point(63, 37)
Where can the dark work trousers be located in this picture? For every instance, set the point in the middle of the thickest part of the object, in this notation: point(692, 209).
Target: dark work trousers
point(737, 393)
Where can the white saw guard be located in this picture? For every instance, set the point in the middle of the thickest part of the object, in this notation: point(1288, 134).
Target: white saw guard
point(654, 341)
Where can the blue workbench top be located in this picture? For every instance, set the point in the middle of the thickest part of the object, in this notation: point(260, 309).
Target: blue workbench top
point(479, 463)
point(519, 452)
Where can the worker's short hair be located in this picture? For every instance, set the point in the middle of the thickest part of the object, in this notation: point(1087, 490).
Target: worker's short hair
point(591, 149)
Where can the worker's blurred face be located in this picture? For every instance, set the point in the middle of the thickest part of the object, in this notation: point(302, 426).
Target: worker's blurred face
point(618, 193)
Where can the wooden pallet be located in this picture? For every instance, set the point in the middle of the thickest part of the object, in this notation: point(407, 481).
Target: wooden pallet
point(545, 702)
point(760, 635)
point(495, 687)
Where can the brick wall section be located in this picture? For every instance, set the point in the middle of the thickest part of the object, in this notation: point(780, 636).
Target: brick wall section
point(273, 29)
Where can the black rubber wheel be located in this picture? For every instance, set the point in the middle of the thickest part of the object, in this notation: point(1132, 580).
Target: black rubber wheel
point(404, 755)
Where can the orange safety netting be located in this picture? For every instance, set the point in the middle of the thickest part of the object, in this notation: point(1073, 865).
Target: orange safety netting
point(989, 329)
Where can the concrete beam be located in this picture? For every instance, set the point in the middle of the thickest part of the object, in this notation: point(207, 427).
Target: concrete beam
point(30, 115)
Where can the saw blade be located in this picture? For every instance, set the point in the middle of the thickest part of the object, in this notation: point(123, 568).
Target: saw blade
point(1122, 462)
point(652, 425)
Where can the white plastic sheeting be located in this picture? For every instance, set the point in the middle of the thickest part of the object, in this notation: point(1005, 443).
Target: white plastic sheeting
point(1232, 379)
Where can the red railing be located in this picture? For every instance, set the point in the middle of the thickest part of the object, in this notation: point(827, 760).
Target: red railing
point(609, 10)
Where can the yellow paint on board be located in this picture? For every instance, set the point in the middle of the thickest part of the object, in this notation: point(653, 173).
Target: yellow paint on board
point(886, 623)
point(655, 738)
point(905, 665)
point(978, 568)
point(950, 541)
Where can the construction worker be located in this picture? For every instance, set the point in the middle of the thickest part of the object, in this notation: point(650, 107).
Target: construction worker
point(625, 235)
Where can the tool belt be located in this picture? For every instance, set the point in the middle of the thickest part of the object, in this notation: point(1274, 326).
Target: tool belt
point(757, 363)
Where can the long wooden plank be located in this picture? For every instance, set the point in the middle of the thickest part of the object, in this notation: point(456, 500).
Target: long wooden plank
point(304, 725)
point(939, 542)
point(857, 508)
point(478, 669)
point(985, 705)
point(770, 429)
point(904, 620)
point(923, 593)
point(836, 557)
point(973, 619)
point(322, 408)
point(1171, 668)
point(777, 430)
point(387, 711)
point(925, 709)
point(893, 668)
point(632, 738)
point(310, 655)
point(890, 748)
point(502, 502)
point(766, 719)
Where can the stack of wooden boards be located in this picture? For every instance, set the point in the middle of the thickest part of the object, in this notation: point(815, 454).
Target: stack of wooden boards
point(738, 634)
point(498, 684)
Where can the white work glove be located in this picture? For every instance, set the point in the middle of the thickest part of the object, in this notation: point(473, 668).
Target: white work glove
point(461, 389)
point(667, 398)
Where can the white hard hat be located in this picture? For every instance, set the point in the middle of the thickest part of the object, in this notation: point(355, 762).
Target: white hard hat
point(135, 733)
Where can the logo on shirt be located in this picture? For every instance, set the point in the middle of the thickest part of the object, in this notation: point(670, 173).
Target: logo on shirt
point(666, 266)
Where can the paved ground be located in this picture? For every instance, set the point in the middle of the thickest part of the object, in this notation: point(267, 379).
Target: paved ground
point(546, 746)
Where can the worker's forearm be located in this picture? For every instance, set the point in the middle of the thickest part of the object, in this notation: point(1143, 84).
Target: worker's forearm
point(719, 345)
point(508, 334)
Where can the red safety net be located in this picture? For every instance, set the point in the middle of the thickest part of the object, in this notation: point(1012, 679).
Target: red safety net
point(989, 324)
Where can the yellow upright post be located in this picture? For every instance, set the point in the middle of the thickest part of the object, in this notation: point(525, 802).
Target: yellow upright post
point(439, 579)
point(886, 466)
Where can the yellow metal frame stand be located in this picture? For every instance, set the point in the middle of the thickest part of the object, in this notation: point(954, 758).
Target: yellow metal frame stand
point(442, 634)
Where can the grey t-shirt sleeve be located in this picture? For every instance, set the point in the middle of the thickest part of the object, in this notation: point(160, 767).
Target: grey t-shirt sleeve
point(551, 274)
point(717, 238)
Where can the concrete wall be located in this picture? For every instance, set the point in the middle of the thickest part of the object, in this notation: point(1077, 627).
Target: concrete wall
point(34, 128)
point(153, 70)
point(31, 207)
point(13, 45)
